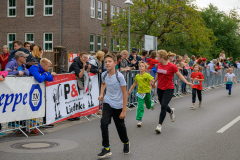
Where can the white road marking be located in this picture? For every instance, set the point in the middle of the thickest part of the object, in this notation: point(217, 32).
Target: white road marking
point(229, 125)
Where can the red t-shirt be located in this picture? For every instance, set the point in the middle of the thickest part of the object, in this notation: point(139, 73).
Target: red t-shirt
point(151, 62)
point(4, 60)
point(165, 75)
point(197, 75)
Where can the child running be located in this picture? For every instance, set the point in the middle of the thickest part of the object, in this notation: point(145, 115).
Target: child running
point(197, 78)
point(230, 76)
point(165, 73)
point(114, 105)
point(143, 80)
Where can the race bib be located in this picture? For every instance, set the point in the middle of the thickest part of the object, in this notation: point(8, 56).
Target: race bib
point(141, 95)
point(196, 82)
point(229, 80)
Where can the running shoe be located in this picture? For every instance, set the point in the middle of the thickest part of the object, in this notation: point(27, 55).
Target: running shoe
point(200, 104)
point(104, 153)
point(172, 115)
point(152, 105)
point(158, 129)
point(193, 106)
point(126, 148)
point(139, 124)
point(229, 95)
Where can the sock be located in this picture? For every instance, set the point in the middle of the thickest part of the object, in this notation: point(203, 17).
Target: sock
point(126, 143)
point(107, 148)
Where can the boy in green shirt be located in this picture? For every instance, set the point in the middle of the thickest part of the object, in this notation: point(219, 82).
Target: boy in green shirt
point(143, 80)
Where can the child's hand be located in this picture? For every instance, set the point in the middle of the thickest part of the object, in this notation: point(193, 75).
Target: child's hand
point(122, 115)
point(154, 85)
point(100, 98)
point(190, 84)
point(129, 93)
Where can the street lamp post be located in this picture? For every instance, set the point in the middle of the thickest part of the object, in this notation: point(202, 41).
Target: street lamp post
point(129, 2)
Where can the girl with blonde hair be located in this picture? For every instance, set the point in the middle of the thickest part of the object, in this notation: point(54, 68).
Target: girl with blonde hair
point(37, 54)
point(96, 62)
point(165, 88)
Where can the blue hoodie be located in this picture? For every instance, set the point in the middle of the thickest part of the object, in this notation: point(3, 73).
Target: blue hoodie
point(39, 74)
point(12, 68)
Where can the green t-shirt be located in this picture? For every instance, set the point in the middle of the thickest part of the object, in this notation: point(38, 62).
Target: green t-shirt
point(143, 82)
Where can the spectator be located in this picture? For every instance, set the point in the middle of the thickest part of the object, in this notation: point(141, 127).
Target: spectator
point(204, 63)
point(37, 53)
point(27, 46)
point(41, 71)
point(134, 58)
point(17, 65)
point(105, 50)
point(4, 57)
point(185, 56)
point(222, 55)
point(150, 52)
point(96, 62)
point(212, 70)
point(178, 59)
point(144, 56)
point(119, 60)
point(152, 60)
point(192, 61)
point(235, 64)
point(18, 47)
point(171, 57)
point(198, 57)
point(125, 65)
point(31, 47)
point(3, 74)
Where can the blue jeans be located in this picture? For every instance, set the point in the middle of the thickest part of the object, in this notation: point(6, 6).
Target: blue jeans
point(229, 87)
point(183, 86)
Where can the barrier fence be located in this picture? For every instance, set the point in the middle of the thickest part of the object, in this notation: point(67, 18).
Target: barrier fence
point(27, 105)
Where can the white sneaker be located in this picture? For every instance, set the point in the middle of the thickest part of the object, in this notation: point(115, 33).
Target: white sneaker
point(139, 124)
point(193, 106)
point(172, 115)
point(158, 129)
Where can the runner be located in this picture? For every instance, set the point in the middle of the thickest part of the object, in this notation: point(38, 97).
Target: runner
point(165, 73)
point(197, 78)
point(114, 105)
point(230, 76)
point(143, 80)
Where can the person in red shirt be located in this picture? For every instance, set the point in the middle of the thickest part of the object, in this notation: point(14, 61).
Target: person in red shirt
point(152, 60)
point(165, 73)
point(4, 57)
point(197, 78)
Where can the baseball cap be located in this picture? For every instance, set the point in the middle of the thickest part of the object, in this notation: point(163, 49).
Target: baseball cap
point(204, 59)
point(20, 54)
point(134, 50)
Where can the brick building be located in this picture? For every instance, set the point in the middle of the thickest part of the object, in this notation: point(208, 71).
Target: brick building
point(40, 22)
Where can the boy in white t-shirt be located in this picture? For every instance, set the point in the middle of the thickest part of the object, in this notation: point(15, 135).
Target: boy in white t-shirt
point(230, 76)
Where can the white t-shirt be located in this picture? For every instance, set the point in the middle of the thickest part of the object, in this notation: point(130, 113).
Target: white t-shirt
point(230, 77)
point(114, 94)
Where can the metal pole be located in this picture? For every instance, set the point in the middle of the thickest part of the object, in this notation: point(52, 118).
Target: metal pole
point(61, 23)
point(129, 45)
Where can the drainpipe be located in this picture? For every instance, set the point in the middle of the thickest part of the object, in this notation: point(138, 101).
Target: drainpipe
point(60, 22)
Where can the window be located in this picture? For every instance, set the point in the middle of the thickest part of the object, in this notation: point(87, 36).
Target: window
point(118, 45)
point(48, 7)
point(48, 41)
point(112, 44)
point(112, 11)
point(11, 8)
point(105, 41)
point(29, 37)
point(99, 43)
point(118, 11)
point(105, 9)
point(29, 10)
point(100, 10)
point(92, 42)
point(92, 8)
point(10, 38)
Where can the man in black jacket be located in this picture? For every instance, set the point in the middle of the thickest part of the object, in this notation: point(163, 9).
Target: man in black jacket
point(18, 46)
point(134, 58)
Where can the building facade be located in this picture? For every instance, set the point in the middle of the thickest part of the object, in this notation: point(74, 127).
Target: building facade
point(74, 24)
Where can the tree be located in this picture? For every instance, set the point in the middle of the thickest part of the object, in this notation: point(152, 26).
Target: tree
point(176, 24)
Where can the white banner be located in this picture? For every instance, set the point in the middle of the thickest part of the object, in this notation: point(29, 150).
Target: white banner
point(65, 100)
point(21, 98)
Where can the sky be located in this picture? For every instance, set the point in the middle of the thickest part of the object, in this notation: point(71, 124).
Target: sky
point(223, 5)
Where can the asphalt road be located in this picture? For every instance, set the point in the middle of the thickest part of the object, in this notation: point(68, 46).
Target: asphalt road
point(193, 136)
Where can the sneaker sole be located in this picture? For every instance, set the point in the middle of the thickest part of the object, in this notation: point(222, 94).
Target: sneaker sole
point(174, 117)
point(157, 131)
point(139, 125)
point(108, 154)
point(129, 150)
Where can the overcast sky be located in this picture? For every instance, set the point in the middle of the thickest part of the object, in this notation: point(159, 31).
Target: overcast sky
point(223, 5)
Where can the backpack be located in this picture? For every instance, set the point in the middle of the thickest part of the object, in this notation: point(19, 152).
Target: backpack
point(107, 74)
point(185, 72)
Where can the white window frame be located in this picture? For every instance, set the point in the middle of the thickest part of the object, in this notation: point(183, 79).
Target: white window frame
point(112, 11)
point(29, 7)
point(92, 43)
point(100, 9)
point(26, 38)
point(44, 42)
point(12, 8)
point(10, 42)
point(118, 11)
point(92, 9)
point(99, 44)
point(46, 6)
point(118, 45)
point(105, 9)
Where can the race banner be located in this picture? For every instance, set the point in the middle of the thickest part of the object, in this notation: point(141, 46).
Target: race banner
point(65, 100)
point(21, 98)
